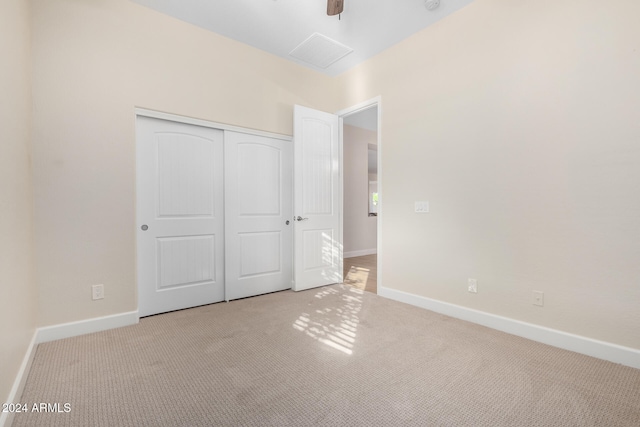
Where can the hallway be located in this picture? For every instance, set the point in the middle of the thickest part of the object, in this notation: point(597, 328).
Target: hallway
point(362, 272)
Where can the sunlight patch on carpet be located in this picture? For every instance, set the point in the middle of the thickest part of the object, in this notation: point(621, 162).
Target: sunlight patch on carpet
point(357, 277)
point(333, 326)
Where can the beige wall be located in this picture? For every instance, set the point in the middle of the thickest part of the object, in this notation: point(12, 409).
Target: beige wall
point(17, 291)
point(359, 229)
point(93, 63)
point(520, 125)
point(517, 122)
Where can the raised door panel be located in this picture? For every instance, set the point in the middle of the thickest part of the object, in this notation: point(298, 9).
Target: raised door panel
point(185, 261)
point(185, 176)
point(258, 169)
point(317, 168)
point(260, 254)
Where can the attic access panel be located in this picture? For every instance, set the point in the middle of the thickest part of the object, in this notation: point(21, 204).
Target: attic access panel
point(320, 51)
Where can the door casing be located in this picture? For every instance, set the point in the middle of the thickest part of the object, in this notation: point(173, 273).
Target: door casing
point(377, 101)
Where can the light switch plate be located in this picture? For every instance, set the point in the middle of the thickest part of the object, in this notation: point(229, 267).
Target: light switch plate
point(422, 207)
point(97, 292)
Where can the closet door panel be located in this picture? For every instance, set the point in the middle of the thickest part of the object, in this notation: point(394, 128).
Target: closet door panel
point(180, 215)
point(258, 209)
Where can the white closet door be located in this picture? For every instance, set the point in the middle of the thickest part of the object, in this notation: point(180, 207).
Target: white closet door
point(180, 215)
point(258, 212)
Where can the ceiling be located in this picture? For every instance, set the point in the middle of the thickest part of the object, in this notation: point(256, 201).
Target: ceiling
point(279, 26)
point(365, 119)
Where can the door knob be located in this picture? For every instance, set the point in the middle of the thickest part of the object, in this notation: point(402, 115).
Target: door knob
point(144, 227)
point(299, 218)
point(287, 222)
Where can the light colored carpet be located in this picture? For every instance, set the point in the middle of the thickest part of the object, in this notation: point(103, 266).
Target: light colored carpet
point(326, 357)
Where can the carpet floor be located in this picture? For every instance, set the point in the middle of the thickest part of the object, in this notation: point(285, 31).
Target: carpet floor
point(331, 356)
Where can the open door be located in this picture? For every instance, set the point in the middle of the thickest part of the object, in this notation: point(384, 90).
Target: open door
point(317, 199)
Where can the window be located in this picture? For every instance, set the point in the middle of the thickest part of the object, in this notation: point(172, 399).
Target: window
point(373, 198)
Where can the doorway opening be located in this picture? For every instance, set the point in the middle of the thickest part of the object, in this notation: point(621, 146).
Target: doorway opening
point(362, 201)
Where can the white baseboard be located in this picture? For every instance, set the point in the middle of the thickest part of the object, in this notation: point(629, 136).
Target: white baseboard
point(6, 418)
point(600, 349)
point(362, 252)
point(56, 332)
point(97, 324)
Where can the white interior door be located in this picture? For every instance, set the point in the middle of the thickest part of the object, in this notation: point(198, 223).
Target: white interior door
point(180, 212)
point(317, 199)
point(258, 213)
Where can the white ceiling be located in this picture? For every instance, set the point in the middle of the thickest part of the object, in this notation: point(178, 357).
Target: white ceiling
point(278, 26)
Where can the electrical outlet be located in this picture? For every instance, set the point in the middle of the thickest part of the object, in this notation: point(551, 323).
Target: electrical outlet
point(538, 298)
point(473, 285)
point(97, 291)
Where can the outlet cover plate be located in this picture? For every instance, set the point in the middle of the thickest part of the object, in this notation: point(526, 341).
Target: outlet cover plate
point(538, 298)
point(473, 285)
point(97, 292)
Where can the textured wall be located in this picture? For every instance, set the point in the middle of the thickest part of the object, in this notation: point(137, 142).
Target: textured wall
point(93, 63)
point(520, 125)
point(517, 122)
point(17, 291)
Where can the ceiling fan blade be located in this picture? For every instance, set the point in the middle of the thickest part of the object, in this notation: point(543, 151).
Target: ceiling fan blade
point(334, 7)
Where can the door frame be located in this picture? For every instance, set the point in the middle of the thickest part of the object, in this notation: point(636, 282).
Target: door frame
point(207, 123)
point(373, 102)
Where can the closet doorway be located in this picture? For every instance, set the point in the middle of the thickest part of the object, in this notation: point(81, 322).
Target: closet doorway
point(214, 210)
